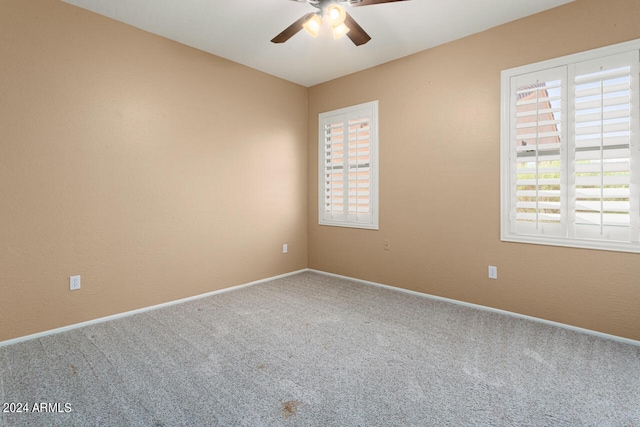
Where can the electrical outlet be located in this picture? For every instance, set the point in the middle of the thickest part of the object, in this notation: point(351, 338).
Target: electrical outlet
point(387, 245)
point(74, 283)
point(493, 272)
point(285, 248)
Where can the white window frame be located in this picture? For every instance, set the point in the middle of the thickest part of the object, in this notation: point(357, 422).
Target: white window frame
point(368, 220)
point(566, 235)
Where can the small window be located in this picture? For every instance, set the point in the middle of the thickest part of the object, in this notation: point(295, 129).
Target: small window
point(570, 150)
point(348, 167)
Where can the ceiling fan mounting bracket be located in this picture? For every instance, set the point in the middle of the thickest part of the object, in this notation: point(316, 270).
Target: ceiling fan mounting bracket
point(323, 4)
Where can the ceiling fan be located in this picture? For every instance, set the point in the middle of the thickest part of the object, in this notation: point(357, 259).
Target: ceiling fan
point(341, 22)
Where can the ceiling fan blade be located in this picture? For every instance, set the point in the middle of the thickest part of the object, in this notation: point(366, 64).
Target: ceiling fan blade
point(370, 2)
point(357, 35)
point(291, 30)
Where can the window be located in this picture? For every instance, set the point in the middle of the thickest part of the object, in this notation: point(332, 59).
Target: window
point(348, 167)
point(570, 150)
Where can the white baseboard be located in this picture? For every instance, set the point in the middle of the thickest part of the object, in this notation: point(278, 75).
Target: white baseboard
point(140, 310)
point(485, 308)
point(421, 294)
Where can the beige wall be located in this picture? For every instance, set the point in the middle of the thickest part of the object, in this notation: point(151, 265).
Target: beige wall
point(158, 172)
point(439, 178)
point(153, 170)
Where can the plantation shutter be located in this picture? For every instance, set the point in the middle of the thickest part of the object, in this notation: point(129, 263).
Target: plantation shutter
point(570, 150)
point(334, 168)
point(604, 116)
point(536, 146)
point(348, 180)
point(359, 162)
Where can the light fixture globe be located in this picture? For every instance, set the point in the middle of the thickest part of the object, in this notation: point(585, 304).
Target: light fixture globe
point(336, 14)
point(312, 25)
point(340, 31)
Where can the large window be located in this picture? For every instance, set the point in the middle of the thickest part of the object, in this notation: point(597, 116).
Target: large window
point(570, 150)
point(348, 167)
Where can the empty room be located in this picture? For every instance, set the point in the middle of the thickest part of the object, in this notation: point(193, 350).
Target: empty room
point(315, 213)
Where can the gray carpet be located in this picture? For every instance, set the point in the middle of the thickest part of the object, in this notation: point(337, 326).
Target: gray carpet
point(312, 350)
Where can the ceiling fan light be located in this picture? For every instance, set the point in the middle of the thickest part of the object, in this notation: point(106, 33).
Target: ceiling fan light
point(312, 26)
point(340, 31)
point(336, 15)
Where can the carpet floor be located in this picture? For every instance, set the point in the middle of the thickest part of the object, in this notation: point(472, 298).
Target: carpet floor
point(314, 350)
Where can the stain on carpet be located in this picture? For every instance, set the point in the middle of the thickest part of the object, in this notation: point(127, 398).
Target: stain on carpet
point(289, 408)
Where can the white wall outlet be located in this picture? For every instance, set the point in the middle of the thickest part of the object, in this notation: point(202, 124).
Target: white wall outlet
point(493, 272)
point(74, 283)
point(285, 248)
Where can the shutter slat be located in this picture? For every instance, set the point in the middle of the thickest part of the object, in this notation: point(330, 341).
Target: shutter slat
point(532, 170)
point(597, 167)
point(592, 181)
point(597, 206)
point(611, 114)
point(611, 153)
point(546, 217)
point(599, 129)
point(584, 91)
point(607, 219)
point(523, 92)
point(589, 104)
point(540, 147)
point(545, 182)
point(615, 142)
point(597, 76)
point(541, 193)
point(607, 193)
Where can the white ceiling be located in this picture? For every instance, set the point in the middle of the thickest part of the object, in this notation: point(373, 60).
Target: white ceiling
point(241, 30)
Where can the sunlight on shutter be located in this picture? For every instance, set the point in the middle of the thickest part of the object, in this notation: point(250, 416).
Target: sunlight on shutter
point(358, 163)
point(570, 150)
point(602, 150)
point(334, 173)
point(538, 162)
point(348, 147)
